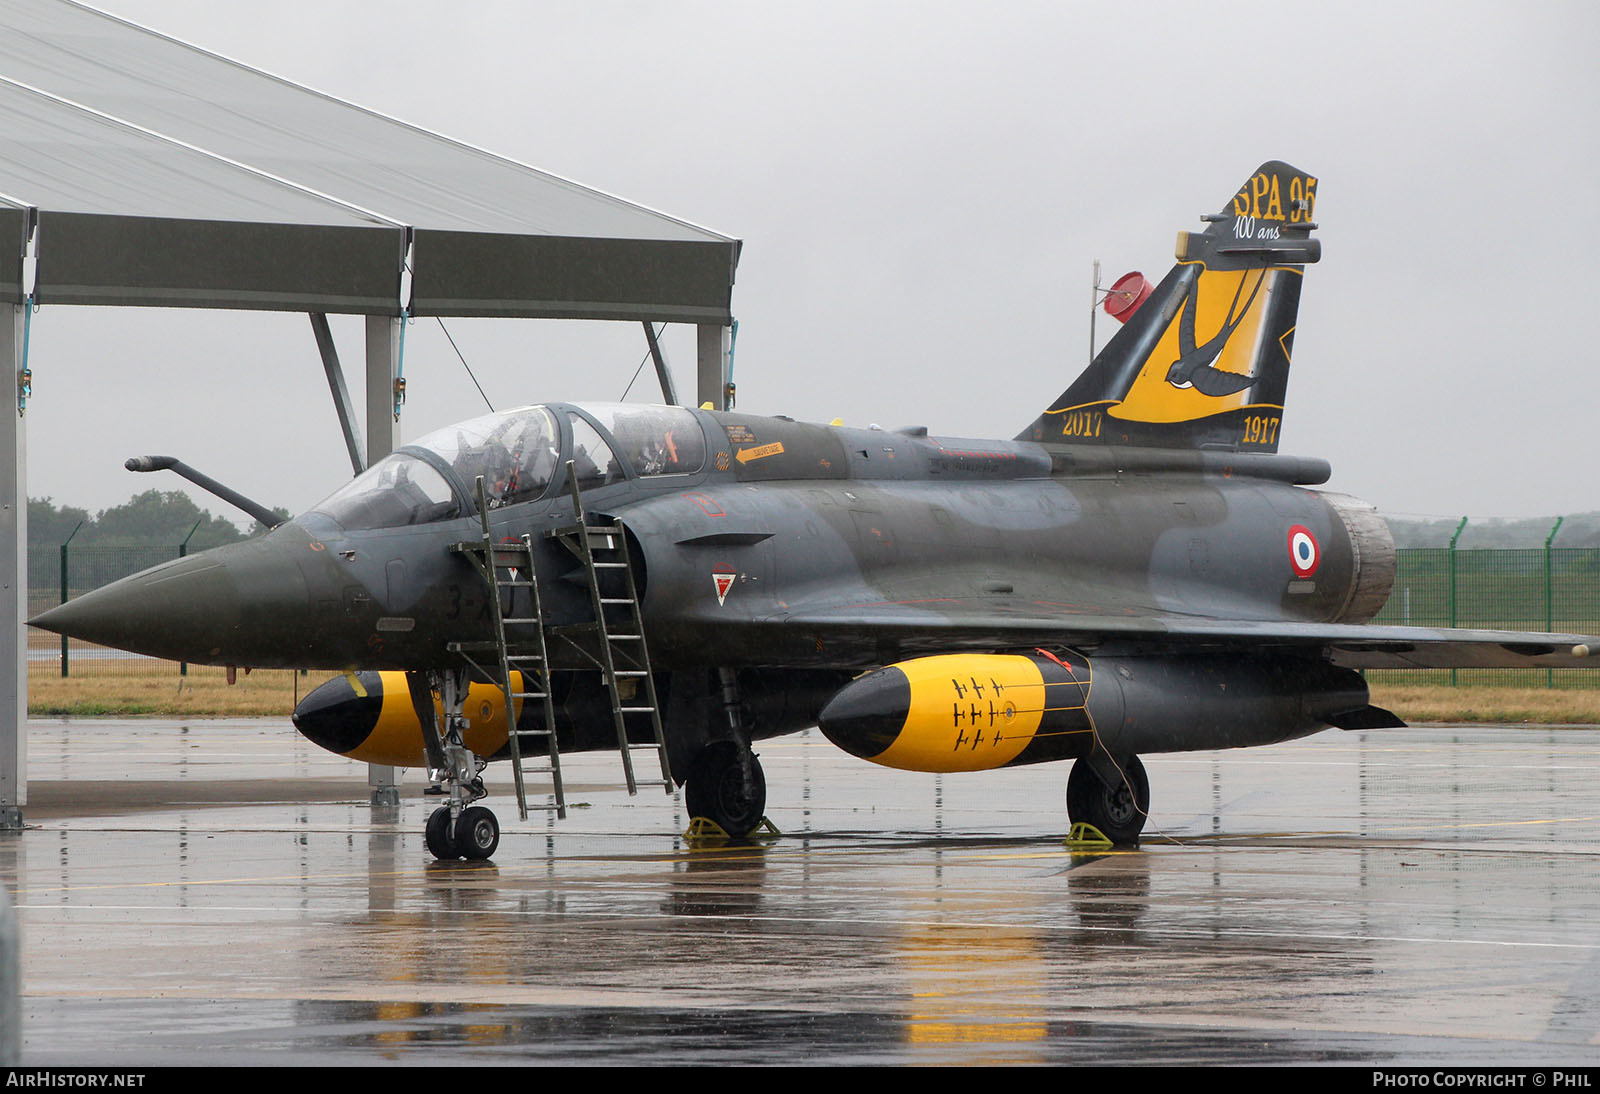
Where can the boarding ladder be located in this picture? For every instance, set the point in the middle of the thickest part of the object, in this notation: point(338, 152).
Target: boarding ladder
point(614, 640)
point(518, 646)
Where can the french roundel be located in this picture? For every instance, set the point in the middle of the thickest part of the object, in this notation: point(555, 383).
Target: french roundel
point(1304, 554)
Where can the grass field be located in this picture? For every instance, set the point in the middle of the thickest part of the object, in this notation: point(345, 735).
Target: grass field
point(121, 688)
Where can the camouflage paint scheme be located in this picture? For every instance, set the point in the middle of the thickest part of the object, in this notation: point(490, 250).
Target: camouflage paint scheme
point(1138, 570)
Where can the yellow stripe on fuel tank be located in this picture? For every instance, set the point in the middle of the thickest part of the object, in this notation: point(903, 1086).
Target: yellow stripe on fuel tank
point(968, 712)
point(396, 737)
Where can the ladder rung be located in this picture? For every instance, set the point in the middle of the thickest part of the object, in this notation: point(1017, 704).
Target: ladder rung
point(599, 546)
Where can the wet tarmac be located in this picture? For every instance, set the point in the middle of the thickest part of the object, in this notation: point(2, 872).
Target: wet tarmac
point(222, 893)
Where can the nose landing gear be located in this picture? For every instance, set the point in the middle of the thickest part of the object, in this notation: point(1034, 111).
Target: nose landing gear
point(459, 829)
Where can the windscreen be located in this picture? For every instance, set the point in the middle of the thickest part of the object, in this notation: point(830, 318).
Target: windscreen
point(399, 490)
point(515, 452)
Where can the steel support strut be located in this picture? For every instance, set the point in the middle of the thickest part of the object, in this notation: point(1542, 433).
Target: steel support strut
point(461, 768)
point(348, 425)
point(733, 708)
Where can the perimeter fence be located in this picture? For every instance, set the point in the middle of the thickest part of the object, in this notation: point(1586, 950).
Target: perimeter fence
point(1528, 589)
point(1534, 589)
point(56, 576)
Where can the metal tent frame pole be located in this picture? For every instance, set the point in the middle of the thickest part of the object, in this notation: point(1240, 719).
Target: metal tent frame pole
point(383, 369)
point(13, 577)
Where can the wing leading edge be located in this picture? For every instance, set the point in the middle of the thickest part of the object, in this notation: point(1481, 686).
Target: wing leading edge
point(951, 625)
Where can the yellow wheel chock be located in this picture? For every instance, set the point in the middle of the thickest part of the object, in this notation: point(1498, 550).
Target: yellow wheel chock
point(1086, 837)
point(706, 830)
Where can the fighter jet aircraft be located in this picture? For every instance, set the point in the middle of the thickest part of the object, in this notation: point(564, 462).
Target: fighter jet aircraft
point(1138, 571)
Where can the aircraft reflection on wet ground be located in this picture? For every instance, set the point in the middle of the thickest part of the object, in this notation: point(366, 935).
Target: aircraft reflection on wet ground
point(211, 891)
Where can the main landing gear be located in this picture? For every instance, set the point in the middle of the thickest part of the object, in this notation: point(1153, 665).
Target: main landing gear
point(1112, 795)
point(726, 785)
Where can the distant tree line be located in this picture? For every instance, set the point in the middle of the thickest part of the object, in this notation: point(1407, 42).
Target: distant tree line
point(155, 518)
point(1578, 530)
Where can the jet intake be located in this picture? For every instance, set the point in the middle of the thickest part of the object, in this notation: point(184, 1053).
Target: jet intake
point(972, 712)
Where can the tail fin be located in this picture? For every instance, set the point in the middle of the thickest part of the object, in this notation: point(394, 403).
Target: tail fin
point(1205, 361)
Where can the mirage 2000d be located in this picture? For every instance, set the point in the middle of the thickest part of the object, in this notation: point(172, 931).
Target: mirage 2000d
point(1139, 571)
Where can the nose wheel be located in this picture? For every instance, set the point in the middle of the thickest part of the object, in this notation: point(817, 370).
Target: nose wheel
point(440, 834)
point(474, 835)
point(477, 833)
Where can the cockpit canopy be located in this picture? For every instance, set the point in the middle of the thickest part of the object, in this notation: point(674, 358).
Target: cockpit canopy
point(521, 455)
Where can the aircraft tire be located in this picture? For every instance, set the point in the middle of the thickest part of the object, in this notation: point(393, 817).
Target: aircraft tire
point(716, 789)
point(440, 839)
point(1119, 812)
point(477, 833)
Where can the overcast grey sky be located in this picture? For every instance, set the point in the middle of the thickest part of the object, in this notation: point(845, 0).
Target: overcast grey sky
point(921, 189)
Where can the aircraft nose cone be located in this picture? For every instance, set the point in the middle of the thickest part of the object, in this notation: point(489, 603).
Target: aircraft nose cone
point(866, 716)
point(243, 604)
point(185, 610)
